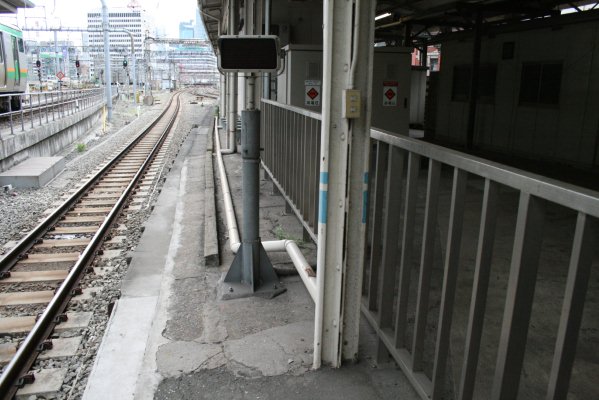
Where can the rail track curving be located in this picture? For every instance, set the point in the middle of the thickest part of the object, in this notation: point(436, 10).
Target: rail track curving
point(63, 246)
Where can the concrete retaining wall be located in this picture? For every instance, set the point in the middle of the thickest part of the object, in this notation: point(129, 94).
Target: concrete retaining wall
point(48, 139)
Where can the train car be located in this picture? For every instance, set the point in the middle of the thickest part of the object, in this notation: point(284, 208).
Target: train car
point(13, 65)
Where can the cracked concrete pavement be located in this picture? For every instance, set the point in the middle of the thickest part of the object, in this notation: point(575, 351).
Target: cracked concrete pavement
point(201, 347)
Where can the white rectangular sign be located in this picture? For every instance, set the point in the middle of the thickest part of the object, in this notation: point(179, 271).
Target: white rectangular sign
point(312, 93)
point(390, 93)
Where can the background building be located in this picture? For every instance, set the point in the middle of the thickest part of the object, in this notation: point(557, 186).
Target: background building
point(133, 20)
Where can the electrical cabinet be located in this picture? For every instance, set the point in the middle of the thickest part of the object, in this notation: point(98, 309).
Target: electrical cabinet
point(300, 84)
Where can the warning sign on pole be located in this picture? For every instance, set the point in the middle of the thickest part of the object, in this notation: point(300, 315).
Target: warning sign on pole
point(312, 93)
point(390, 93)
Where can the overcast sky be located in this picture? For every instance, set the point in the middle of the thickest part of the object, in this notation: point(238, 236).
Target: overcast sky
point(73, 13)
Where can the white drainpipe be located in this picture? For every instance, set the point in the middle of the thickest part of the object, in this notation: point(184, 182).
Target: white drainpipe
point(299, 261)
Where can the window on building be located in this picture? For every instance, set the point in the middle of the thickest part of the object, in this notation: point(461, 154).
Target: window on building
point(462, 77)
point(540, 83)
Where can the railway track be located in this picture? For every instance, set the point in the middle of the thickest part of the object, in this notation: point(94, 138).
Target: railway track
point(41, 274)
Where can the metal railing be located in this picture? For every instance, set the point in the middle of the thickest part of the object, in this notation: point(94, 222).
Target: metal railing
point(417, 247)
point(291, 142)
point(19, 112)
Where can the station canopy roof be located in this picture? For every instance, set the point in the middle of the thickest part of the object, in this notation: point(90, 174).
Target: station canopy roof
point(430, 21)
point(10, 6)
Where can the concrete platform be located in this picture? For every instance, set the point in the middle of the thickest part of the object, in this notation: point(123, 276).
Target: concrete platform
point(34, 172)
point(172, 337)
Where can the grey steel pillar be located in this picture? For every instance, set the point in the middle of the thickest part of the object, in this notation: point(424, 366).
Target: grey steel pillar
point(474, 81)
point(251, 273)
point(232, 84)
point(223, 99)
point(107, 73)
point(266, 79)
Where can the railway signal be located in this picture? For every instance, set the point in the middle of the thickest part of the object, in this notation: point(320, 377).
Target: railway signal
point(77, 64)
point(125, 63)
point(38, 66)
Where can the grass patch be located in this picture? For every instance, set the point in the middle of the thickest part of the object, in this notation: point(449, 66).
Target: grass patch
point(81, 147)
point(280, 234)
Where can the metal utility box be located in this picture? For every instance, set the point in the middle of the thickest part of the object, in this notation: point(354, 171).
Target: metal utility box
point(391, 89)
point(300, 83)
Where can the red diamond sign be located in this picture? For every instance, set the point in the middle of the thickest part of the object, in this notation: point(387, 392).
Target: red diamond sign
point(59, 75)
point(312, 93)
point(390, 93)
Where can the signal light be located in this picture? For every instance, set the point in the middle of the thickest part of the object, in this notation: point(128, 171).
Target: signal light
point(124, 63)
point(38, 63)
point(77, 63)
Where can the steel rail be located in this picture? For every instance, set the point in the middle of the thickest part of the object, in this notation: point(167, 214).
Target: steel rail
point(10, 380)
point(17, 252)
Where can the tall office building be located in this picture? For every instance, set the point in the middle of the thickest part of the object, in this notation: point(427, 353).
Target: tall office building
point(186, 30)
point(193, 29)
point(133, 20)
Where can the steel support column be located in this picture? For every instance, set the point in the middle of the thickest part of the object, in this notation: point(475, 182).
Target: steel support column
point(474, 82)
point(232, 81)
point(347, 61)
point(251, 273)
point(222, 112)
point(266, 78)
point(107, 74)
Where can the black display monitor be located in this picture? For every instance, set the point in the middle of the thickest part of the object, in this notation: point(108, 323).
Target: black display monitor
point(248, 53)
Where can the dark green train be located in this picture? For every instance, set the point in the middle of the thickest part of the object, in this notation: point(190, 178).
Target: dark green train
point(13, 65)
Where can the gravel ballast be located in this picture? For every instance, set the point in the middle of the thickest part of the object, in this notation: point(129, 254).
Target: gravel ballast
point(24, 209)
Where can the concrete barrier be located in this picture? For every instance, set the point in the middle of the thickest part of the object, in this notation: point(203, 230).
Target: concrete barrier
point(47, 140)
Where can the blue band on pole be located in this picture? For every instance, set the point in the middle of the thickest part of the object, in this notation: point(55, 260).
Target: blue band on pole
point(365, 177)
point(322, 209)
point(324, 178)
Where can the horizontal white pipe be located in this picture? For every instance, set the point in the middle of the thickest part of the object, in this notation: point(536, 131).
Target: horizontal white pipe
point(304, 269)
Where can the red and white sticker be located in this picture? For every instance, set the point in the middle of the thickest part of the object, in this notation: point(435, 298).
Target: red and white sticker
point(312, 93)
point(390, 93)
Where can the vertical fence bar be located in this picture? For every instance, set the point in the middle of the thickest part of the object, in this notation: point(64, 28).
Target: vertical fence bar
point(31, 108)
point(12, 132)
point(583, 249)
point(426, 263)
point(452, 260)
point(382, 155)
point(46, 105)
point(294, 135)
point(519, 298)
point(22, 113)
point(304, 170)
point(39, 107)
point(407, 249)
point(390, 235)
point(316, 168)
point(478, 303)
